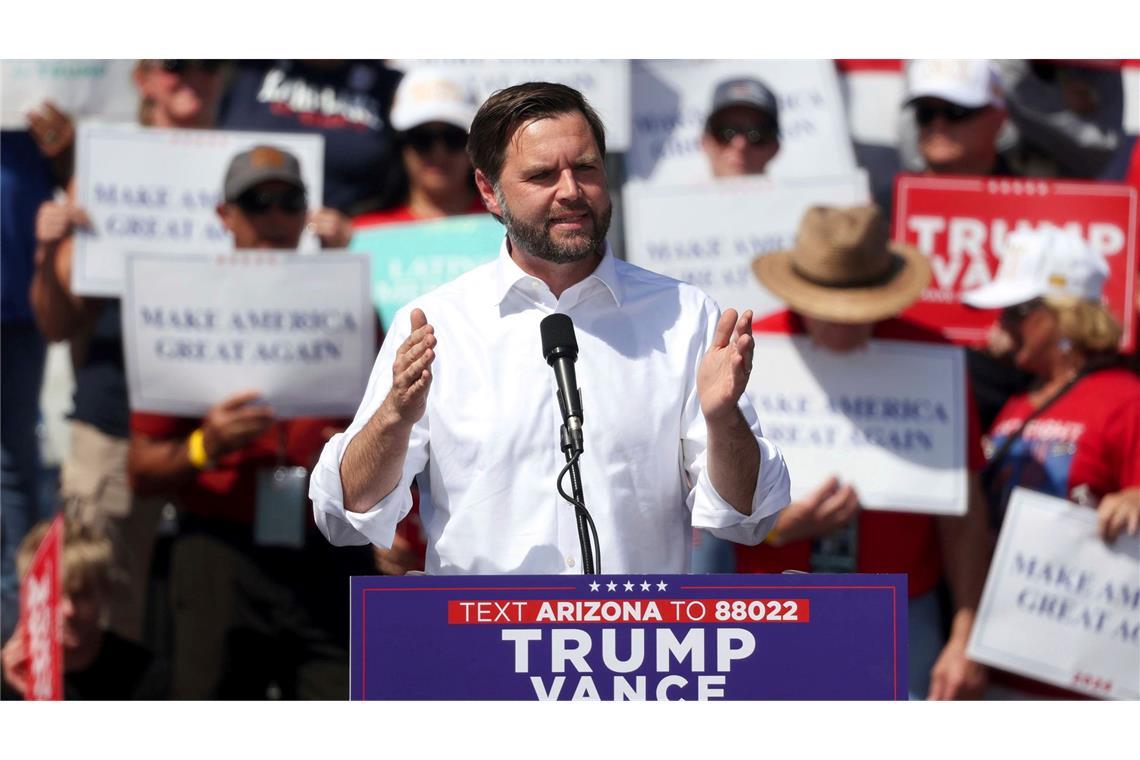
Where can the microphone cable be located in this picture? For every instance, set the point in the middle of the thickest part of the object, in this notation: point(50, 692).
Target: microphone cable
point(586, 527)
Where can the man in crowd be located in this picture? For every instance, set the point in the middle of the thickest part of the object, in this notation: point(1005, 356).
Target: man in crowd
point(958, 110)
point(742, 131)
point(29, 173)
point(845, 284)
point(662, 374)
point(741, 136)
point(253, 615)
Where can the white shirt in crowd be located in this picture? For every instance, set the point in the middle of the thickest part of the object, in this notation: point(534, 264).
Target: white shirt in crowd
point(490, 437)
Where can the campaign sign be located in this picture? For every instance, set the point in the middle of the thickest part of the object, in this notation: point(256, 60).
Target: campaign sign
point(1060, 605)
point(39, 616)
point(672, 98)
point(629, 637)
point(410, 259)
point(83, 88)
point(961, 224)
point(889, 418)
point(708, 233)
point(198, 329)
point(604, 83)
point(157, 191)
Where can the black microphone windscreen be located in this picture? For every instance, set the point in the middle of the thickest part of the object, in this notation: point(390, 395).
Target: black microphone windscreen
point(558, 337)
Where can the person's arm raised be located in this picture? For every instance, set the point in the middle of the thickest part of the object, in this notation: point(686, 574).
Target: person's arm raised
point(374, 459)
point(733, 453)
point(59, 313)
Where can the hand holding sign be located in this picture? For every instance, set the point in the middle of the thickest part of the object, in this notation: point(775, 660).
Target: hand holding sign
point(234, 423)
point(956, 676)
point(1118, 512)
point(332, 227)
point(52, 129)
point(16, 661)
point(826, 509)
point(55, 221)
point(724, 370)
point(411, 372)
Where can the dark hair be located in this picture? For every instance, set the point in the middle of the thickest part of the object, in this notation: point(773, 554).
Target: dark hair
point(506, 109)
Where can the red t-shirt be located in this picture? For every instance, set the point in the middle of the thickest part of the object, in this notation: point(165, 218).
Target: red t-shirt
point(1083, 446)
point(404, 214)
point(888, 542)
point(228, 492)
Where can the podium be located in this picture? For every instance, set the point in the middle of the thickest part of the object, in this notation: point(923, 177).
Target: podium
point(629, 637)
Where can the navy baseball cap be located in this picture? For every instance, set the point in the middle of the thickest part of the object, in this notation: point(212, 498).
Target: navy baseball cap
point(747, 92)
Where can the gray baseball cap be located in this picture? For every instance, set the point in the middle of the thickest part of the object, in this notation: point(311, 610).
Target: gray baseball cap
point(261, 163)
point(751, 93)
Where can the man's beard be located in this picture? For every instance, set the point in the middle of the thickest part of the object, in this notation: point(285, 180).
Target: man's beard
point(537, 241)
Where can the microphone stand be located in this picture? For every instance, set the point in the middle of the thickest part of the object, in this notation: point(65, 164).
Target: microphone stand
point(572, 449)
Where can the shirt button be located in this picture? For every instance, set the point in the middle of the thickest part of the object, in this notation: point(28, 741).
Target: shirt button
point(570, 561)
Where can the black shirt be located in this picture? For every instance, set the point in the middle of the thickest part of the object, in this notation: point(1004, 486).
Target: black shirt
point(346, 102)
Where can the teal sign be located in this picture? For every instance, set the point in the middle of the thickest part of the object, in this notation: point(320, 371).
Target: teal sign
point(413, 258)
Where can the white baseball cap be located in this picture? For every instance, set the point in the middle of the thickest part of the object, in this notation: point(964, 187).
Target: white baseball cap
point(968, 83)
point(427, 95)
point(1044, 262)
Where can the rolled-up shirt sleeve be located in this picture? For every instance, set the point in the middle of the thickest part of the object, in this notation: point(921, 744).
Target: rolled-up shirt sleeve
point(378, 525)
point(709, 509)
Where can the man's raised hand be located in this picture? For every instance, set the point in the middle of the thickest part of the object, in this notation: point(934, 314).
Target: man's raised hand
point(411, 372)
point(724, 370)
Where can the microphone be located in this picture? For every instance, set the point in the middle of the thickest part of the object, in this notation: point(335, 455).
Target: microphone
point(560, 349)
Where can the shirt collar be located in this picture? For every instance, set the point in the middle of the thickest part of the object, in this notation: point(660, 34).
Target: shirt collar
point(508, 274)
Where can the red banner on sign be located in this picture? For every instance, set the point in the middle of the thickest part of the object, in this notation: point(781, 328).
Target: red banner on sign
point(961, 224)
point(513, 612)
point(39, 606)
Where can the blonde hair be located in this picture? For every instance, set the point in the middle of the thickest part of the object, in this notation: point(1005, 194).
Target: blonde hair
point(86, 560)
point(1086, 324)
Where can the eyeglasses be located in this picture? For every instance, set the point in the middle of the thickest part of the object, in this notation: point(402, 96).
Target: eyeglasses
point(1012, 316)
point(926, 113)
point(754, 135)
point(256, 202)
point(422, 139)
point(180, 67)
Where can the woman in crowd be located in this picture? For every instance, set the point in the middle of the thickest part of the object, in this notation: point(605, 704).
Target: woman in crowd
point(433, 178)
point(1075, 433)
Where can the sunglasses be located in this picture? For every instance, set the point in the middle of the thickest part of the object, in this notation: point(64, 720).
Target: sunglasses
point(926, 113)
point(753, 135)
point(421, 139)
point(180, 67)
point(255, 202)
point(1012, 316)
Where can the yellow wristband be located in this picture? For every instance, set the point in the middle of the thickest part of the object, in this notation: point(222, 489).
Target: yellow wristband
point(196, 449)
point(772, 537)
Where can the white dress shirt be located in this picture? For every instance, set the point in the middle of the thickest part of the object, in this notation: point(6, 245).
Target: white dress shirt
point(487, 449)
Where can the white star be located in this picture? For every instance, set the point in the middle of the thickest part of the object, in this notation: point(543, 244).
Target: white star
point(628, 586)
point(611, 586)
point(594, 586)
point(661, 586)
point(645, 585)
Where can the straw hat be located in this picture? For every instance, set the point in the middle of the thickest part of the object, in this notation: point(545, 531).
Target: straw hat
point(844, 268)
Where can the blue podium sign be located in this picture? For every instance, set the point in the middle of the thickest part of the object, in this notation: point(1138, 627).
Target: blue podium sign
point(635, 637)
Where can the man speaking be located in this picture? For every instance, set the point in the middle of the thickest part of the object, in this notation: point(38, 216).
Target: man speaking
point(462, 396)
